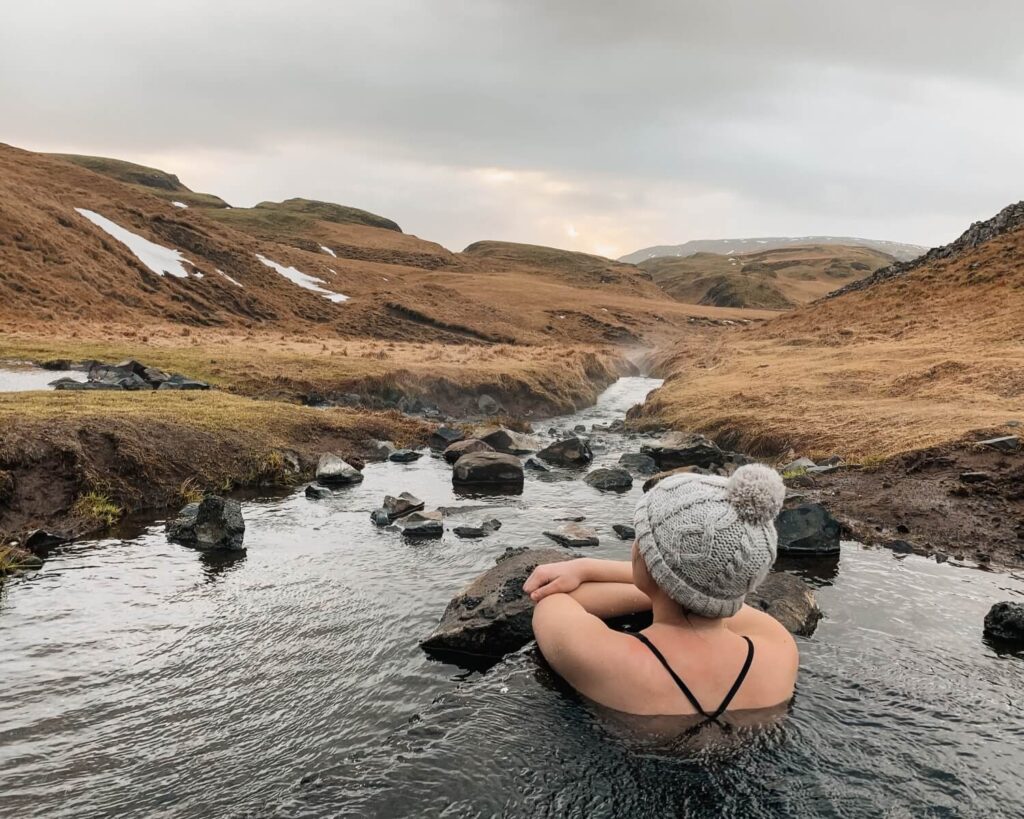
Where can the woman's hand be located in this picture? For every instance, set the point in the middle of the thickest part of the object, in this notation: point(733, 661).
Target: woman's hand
point(554, 578)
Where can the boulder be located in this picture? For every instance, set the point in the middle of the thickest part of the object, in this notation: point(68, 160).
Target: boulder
point(314, 492)
point(404, 456)
point(460, 448)
point(488, 468)
point(693, 451)
point(1008, 443)
point(380, 517)
point(789, 600)
point(573, 536)
point(534, 465)
point(39, 540)
point(214, 523)
point(580, 428)
point(513, 443)
point(404, 504)
point(491, 616)
point(624, 531)
point(477, 530)
point(638, 463)
point(609, 480)
point(443, 437)
point(181, 382)
point(567, 452)
point(1005, 621)
point(654, 480)
point(333, 470)
point(118, 377)
point(488, 405)
point(808, 529)
point(423, 524)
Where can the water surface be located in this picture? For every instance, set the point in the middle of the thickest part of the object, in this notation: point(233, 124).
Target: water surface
point(21, 377)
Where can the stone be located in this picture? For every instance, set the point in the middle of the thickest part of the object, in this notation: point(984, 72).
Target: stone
point(808, 529)
point(609, 480)
point(638, 463)
point(974, 477)
point(181, 382)
point(488, 468)
point(900, 547)
point(798, 465)
point(477, 530)
point(404, 504)
point(213, 523)
point(404, 456)
point(122, 378)
point(460, 448)
point(624, 531)
point(39, 540)
point(654, 480)
point(314, 492)
point(580, 428)
point(333, 470)
point(1008, 443)
point(693, 451)
point(513, 443)
point(573, 536)
point(488, 405)
point(380, 517)
point(535, 465)
point(567, 452)
point(422, 524)
point(824, 469)
point(443, 437)
point(789, 600)
point(1005, 621)
point(491, 616)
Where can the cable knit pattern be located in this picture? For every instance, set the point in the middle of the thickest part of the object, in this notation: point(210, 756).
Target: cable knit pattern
point(709, 541)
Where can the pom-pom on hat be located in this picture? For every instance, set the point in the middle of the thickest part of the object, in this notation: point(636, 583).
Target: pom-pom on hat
point(708, 541)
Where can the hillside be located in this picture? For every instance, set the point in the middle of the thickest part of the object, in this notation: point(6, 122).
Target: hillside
point(914, 360)
point(730, 247)
point(770, 279)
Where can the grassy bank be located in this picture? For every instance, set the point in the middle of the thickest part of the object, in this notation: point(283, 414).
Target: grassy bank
point(78, 461)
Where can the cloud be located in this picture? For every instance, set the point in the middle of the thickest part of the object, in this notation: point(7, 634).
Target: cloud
point(652, 121)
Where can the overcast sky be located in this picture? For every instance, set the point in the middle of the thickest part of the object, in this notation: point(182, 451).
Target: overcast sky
point(598, 126)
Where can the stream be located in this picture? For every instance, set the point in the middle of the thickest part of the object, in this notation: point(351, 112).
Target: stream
point(140, 678)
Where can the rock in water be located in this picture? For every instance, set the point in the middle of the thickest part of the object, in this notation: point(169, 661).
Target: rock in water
point(404, 504)
point(214, 523)
point(654, 480)
point(477, 530)
point(335, 471)
point(573, 535)
point(460, 448)
point(808, 529)
point(535, 465)
point(405, 456)
point(488, 468)
point(443, 437)
point(314, 492)
point(1005, 621)
point(567, 452)
point(492, 616)
point(514, 443)
point(380, 517)
point(695, 451)
point(624, 531)
point(609, 480)
point(789, 600)
point(639, 463)
point(423, 525)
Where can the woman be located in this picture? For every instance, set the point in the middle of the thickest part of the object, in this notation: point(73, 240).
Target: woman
point(702, 543)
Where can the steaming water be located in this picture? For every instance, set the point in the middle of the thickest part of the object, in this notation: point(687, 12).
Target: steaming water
point(140, 678)
point(23, 377)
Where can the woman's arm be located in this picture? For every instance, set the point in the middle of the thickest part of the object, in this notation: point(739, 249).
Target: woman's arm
point(567, 575)
point(607, 600)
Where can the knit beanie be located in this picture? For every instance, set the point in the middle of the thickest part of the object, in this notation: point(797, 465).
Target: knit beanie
point(708, 541)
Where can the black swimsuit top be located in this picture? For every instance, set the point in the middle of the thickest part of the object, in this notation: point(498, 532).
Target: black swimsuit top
point(688, 693)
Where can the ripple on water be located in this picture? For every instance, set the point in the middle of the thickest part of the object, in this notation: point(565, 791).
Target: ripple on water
point(148, 679)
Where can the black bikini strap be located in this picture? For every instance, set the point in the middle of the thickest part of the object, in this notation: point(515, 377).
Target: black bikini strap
point(739, 680)
point(682, 686)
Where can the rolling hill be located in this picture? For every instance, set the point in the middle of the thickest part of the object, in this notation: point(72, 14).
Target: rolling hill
point(729, 247)
point(776, 279)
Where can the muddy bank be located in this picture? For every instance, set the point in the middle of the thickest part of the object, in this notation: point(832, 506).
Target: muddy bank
point(963, 501)
point(73, 462)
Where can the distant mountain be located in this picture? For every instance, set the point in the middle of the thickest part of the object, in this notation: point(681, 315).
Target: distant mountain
point(775, 279)
point(898, 250)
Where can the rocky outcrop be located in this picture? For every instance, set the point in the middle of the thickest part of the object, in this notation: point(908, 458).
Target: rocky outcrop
point(572, 535)
point(333, 470)
point(696, 450)
point(789, 600)
point(129, 375)
point(567, 452)
point(460, 448)
point(1005, 622)
point(808, 529)
point(213, 523)
point(609, 480)
point(491, 616)
point(488, 468)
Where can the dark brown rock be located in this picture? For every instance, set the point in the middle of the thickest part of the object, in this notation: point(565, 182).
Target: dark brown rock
point(487, 468)
point(567, 452)
point(789, 600)
point(460, 448)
